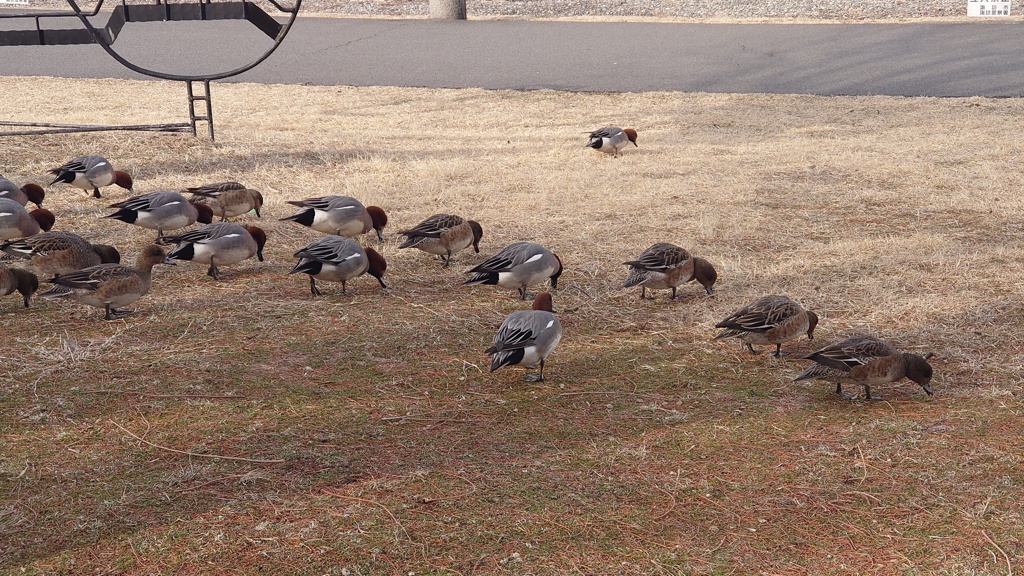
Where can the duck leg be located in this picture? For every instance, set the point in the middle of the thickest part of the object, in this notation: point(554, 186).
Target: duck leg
point(538, 377)
point(839, 391)
point(868, 396)
point(751, 348)
point(778, 351)
point(316, 291)
point(213, 270)
point(96, 193)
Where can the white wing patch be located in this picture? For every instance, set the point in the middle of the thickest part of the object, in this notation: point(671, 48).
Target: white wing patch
point(350, 257)
point(534, 257)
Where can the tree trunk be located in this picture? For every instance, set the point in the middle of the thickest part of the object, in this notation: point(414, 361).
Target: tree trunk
point(448, 9)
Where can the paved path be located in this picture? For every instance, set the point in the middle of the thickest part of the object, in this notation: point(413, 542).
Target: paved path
point(982, 57)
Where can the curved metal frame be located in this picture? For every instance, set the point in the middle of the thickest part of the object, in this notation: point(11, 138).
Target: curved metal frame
point(121, 15)
point(102, 41)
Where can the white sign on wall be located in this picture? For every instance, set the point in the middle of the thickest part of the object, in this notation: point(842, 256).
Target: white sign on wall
point(20, 2)
point(988, 7)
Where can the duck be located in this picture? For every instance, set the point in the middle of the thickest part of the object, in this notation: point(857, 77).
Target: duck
point(221, 243)
point(162, 210)
point(444, 235)
point(17, 280)
point(339, 215)
point(518, 265)
point(229, 199)
point(30, 192)
point(338, 259)
point(705, 274)
point(110, 286)
point(91, 173)
point(57, 253)
point(769, 320)
point(866, 361)
point(527, 337)
point(611, 139)
point(16, 222)
point(665, 265)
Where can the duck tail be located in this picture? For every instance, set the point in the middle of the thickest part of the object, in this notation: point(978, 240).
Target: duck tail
point(487, 278)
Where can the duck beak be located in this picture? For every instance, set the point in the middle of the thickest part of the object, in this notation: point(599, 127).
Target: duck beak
point(927, 389)
point(259, 255)
point(170, 261)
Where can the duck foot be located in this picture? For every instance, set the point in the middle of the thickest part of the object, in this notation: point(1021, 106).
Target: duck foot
point(115, 314)
point(534, 378)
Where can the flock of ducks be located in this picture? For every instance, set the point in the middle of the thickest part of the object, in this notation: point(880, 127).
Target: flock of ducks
point(92, 274)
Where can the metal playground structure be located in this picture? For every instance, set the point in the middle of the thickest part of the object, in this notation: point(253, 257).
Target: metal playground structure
point(160, 11)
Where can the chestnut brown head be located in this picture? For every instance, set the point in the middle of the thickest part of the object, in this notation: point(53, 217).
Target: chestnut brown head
point(543, 302)
point(478, 233)
point(44, 217)
point(554, 277)
point(35, 194)
point(124, 180)
point(379, 219)
point(377, 266)
point(631, 134)
point(205, 213)
point(260, 237)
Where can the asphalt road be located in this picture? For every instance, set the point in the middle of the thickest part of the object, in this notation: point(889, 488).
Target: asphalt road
point(975, 58)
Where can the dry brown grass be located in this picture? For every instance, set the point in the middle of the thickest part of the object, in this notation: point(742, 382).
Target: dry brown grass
point(649, 450)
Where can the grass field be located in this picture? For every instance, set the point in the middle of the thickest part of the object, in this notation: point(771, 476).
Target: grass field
point(244, 426)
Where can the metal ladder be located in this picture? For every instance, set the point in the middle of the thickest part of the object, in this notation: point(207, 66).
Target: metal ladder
point(205, 97)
